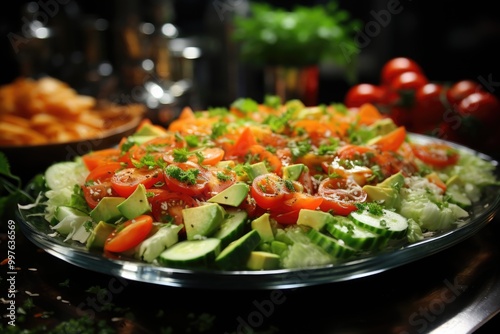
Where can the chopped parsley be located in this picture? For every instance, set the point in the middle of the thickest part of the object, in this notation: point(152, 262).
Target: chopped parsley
point(185, 176)
point(372, 207)
point(300, 148)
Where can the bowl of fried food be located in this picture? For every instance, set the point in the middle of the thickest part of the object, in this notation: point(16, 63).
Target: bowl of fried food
point(44, 120)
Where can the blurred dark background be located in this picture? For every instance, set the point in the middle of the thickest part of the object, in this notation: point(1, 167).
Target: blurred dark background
point(451, 40)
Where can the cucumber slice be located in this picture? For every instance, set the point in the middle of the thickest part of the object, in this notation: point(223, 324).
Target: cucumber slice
point(236, 254)
point(232, 227)
point(334, 247)
point(389, 224)
point(457, 197)
point(191, 253)
point(353, 235)
point(65, 174)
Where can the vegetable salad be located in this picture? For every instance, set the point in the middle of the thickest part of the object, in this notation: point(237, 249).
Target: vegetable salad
point(263, 186)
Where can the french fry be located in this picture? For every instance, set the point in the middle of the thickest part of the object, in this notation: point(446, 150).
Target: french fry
point(48, 110)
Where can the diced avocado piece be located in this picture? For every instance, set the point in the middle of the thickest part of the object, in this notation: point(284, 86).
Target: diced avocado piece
point(385, 196)
point(99, 235)
point(259, 260)
point(202, 221)
point(313, 218)
point(263, 225)
point(233, 195)
point(383, 126)
point(232, 227)
point(454, 179)
point(236, 254)
point(256, 169)
point(139, 139)
point(136, 204)
point(394, 181)
point(107, 210)
point(278, 247)
point(148, 129)
point(165, 237)
point(292, 172)
point(310, 113)
point(226, 164)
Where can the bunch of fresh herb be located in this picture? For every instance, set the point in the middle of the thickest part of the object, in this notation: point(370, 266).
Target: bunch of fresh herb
point(301, 37)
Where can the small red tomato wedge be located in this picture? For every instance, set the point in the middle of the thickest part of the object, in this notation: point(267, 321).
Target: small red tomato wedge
point(129, 235)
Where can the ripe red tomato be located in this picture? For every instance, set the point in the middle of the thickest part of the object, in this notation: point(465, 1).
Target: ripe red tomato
point(186, 177)
point(396, 66)
point(482, 107)
point(98, 183)
point(460, 89)
point(436, 154)
point(408, 81)
point(363, 93)
point(340, 195)
point(167, 206)
point(429, 108)
point(125, 181)
point(129, 235)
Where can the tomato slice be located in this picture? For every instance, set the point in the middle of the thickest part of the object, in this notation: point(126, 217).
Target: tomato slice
point(391, 141)
point(340, 195)
point(242, 144)
point(206, 156)
point(259, 153)
point(187, 177)
point(125, 181)
point(220, 179)
point(268, 191)
point(156, 147)
point(98, 183)
point(287, 218)
point(129, 234)
point(100, 157)
point(167, 206)
point(297, 200)
point(438, 155)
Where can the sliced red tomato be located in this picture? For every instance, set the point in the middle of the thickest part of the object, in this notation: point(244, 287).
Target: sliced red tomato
point(436, 154)
point(98, 183)
point(126, 180)
point(100, 157)
point(268, 191)
point(286, 218)
point(391, 141)
point(220, 179)
point(352, 152)
point(187, 177)
point(206, 156)
point(130, 234)
point(296, 201)
point(259, 153)
point(156, 147)
point(167, 206)
point(242, 144)
point(340, 195)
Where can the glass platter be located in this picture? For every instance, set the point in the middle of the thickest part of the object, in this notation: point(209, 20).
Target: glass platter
point(38, 232)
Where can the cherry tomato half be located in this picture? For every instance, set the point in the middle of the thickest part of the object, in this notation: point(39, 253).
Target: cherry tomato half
point(186, 177)
point(340, 195)
point(167, 206)
point(98, 183)
point(396, 66)
point(125, 181)
point(100, 157)
point(436, 154)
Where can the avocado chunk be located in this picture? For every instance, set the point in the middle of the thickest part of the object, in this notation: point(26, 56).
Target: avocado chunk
point(202, 221)
point(292, 172)
point(256, 169)
point(383, 126)
point(234, 195)
point(313, 218)
point(260, 260)
point(394, 181)
point(107, 210)
point(263, 225)
point(385, 196)
point(149, 129)
point(99, 235)
point(136, 204)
